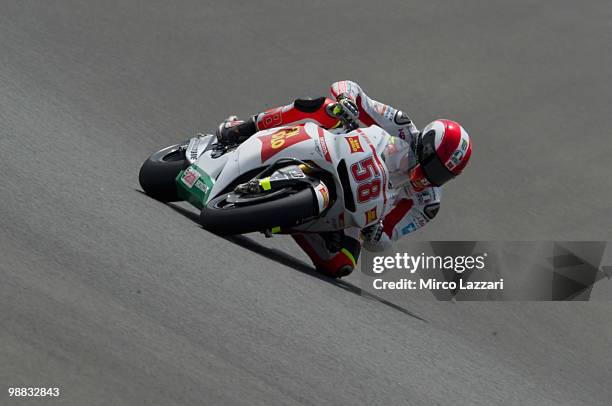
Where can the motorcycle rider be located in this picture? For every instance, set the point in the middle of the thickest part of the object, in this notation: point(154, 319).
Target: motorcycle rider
point(418, 167)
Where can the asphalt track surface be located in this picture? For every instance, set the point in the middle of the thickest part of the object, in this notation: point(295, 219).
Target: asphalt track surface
point(119, 299)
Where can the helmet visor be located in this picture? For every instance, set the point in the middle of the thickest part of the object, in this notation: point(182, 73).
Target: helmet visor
point(433, 168)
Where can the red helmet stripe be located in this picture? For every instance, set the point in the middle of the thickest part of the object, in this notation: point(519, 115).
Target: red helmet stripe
point(450, 140)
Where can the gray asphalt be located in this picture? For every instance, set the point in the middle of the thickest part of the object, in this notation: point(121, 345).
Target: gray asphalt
point(118, 299)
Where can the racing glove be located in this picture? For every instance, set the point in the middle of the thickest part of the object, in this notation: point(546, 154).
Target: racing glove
point(345, 107)
point(373, 233)
point(375, 239)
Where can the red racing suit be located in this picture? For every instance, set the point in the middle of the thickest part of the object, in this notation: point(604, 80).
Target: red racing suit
point(413, 207)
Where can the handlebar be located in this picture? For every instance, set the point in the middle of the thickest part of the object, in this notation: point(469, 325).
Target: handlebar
point(349, 124)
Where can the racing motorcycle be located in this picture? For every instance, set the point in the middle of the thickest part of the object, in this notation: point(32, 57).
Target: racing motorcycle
point(298, 179)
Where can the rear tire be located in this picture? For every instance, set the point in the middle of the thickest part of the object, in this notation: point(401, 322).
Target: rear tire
point(283, 212)
point(158, 173)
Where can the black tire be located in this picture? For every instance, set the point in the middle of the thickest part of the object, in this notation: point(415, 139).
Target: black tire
point(158, 173)
point(283, 212)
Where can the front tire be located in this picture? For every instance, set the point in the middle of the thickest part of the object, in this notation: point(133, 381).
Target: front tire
point(284, 212)
point(158, 173)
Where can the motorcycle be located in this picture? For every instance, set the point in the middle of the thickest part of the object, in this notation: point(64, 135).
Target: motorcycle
point(296, 179)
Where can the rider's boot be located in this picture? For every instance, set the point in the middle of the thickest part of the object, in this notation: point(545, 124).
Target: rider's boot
point(331, 254)
point(234, 131)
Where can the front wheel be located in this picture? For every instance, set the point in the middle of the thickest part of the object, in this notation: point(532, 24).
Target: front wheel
point(223, 216)
point(158, 173)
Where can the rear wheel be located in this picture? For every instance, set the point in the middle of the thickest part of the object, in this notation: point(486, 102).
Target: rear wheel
point(230, 213)
point(158, 173)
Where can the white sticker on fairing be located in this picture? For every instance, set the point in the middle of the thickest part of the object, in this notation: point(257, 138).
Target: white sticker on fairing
point(322, 196)
point(192, 150)
point(190, 176)
point(202, 186)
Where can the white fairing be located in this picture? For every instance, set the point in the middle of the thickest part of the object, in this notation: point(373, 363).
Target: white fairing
point(361, 150)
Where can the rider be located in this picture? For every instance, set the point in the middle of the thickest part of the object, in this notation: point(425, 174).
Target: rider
point(429, 159)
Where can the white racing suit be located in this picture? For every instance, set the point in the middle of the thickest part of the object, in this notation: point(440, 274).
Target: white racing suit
point(413, 208)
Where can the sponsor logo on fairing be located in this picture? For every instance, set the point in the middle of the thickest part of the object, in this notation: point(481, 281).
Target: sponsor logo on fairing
point(274, 143)
point(323, 143)
point(193, 149)
point(354, 144)
point(194, 185)
point(190, 176)
point(324, 194)
point(202, 186)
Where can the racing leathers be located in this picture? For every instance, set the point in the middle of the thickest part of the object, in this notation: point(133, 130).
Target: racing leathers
point(336, 254)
